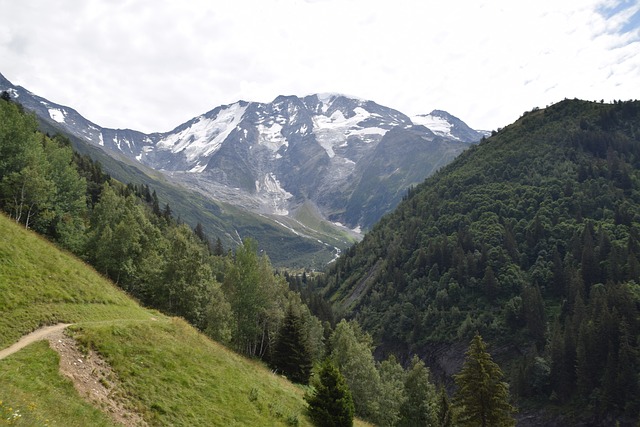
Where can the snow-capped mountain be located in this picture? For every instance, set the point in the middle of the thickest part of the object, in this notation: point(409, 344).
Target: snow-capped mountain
point(350, 159)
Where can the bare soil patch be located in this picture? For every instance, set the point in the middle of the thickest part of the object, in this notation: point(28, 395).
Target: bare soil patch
point(91, 376)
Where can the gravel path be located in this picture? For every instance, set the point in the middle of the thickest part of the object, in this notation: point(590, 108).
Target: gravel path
point(37, 335)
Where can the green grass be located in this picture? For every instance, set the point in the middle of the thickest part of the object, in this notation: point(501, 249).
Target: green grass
point(169, 372)
point(177, 376)
point(33, 393)
point(309, 215)
point(41, 285)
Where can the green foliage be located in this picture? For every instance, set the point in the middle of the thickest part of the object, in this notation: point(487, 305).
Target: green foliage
point(351, 353)
point(420, 407)
point(39, 184)
point(392, 394)
point(291, 353)
point(511, 240)
point(258, 300)
point(330, 402)
point(482, 398)
point(446, 414)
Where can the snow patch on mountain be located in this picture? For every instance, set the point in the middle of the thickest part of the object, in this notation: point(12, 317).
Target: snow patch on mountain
point(57, 115)
point(271, 136)
point(332, 131)
point(435, 124)
point(198, 168)
point(205, 135)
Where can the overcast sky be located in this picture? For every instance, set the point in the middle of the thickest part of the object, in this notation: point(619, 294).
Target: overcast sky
point(151, 65)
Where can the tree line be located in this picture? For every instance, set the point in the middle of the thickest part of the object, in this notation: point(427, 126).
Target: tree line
point(350, 382)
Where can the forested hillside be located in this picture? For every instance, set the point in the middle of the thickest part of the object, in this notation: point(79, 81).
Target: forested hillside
point(531, 238)
point(126, 235)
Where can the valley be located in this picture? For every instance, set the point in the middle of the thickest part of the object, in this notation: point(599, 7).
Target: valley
point(522, 249)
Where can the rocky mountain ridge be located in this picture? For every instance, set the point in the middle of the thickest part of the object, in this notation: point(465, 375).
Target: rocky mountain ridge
point(348, 159)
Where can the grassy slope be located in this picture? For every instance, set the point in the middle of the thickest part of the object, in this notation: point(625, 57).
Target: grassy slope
point(170, 372)
point(41, 285)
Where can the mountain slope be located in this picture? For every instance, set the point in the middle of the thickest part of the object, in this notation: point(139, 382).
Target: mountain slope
point(169, 373)
point(329, 151)
point(522, 238)
point(286, 241)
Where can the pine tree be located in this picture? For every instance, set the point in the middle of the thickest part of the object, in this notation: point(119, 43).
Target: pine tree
point(490, 283)
point(482, 398)
point(533, 313)
point(218, 250)
point(331, 404)
point(291, 354)
point(445, 410)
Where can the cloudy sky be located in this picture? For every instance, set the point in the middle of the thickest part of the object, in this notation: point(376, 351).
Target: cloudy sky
point(151, 65)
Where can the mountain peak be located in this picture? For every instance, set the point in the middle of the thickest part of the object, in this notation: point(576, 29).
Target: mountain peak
point(272, 157)
point(447, 125)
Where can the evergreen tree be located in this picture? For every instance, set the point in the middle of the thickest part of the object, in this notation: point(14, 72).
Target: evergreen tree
point(218, 250)
point(533, 313)
point(482, 398)
point(155, 204)
point(445, 410)
point(490, 283)
point(330, 404)
point(291, 354)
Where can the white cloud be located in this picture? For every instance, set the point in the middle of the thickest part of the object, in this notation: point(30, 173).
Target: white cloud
point(151, 65)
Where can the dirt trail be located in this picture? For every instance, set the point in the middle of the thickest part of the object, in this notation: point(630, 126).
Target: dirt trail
point(34, 336)
point(92, 377)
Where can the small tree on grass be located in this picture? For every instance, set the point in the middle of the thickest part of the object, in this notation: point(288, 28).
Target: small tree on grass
point(482, 397)
point(330, 404)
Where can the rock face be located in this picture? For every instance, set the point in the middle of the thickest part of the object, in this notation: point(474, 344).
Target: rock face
point(351, 159)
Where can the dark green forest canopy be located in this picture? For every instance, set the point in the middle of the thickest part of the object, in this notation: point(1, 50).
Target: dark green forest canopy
point(531, 233)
